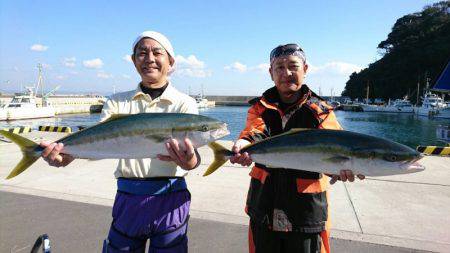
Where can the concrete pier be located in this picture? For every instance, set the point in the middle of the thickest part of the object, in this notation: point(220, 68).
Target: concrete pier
point(230, 100)
point(407, 211)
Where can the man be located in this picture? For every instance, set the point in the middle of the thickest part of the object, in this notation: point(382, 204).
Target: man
point(152, 200)
point(288, 209)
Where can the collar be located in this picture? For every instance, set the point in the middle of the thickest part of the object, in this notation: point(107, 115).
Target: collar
point(169, 94)
point(271, 97)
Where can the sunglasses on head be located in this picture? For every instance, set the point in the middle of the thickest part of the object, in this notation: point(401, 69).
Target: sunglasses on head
point(288, 49)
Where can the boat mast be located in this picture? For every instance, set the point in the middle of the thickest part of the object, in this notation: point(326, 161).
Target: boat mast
point(418, 88)
point(367, 92)
point(40, 81)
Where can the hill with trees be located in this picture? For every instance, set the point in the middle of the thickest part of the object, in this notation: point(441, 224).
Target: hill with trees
point(417, 49)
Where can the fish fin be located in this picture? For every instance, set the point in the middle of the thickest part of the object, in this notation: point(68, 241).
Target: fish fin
point(115, 116)
point(293, 131)
point(25, 146)
point(337, 159)
point(27, 161)
point(220, 153)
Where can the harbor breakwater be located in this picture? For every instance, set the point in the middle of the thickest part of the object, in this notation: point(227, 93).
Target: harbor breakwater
point(230, 100)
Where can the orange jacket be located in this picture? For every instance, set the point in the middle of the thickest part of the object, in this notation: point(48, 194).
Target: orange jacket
point(295, 199)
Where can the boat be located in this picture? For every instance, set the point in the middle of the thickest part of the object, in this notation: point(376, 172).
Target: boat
point(434, 105)
point(3, 114)
point(443, 85)
point(431, 103)
point(201, 102)
point(25, 106)
point(398, 106)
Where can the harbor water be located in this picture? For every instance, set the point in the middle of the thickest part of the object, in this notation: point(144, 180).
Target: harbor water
point(408, 129)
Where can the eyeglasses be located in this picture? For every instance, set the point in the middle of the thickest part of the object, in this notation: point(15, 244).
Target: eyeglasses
point(288, 49)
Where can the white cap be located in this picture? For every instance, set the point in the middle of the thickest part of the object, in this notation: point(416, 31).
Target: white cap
point(161, 39)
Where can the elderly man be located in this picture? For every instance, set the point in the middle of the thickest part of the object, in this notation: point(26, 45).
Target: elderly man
point(288, 209)
point(152, 200)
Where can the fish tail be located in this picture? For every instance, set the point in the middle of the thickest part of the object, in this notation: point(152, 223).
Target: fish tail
point(220, 157)
point(26, 146)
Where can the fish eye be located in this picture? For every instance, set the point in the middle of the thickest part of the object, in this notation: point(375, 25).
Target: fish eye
point(391, 158)
point(204, 128)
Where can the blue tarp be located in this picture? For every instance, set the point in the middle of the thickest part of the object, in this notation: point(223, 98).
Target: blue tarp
point(443, 82)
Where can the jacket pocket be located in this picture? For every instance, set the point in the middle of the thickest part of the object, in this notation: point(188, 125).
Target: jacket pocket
point(312, 185)
point(259, 174)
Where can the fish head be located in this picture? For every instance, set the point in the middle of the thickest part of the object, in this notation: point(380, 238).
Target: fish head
point(411, 164)
point(401, 160)
point(204, 130)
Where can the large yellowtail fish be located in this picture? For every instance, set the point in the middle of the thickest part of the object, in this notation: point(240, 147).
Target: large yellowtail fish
point(328, 151)
point(126, 136)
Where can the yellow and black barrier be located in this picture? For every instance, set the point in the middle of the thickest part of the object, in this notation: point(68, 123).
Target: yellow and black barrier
point(18, 130)
point(59, 129)
point(434, 150)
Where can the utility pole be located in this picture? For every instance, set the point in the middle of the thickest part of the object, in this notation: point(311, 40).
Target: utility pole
point(418, 88)
point(367, 92)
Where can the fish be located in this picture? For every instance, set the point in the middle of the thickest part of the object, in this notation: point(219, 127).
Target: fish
point(327, 151)
point(131, 136)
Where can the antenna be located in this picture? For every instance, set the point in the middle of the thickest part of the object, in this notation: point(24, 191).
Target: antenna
point(40, 81)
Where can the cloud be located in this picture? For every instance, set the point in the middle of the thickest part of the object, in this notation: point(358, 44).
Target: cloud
point(329, 77)
point(104, 75)
point(69, 62)
point(263, 67)
point(236, 66)
point(190, 66)
point(93, 64)
point(126, 76)
point(39, 48)
point(127, 58)
point(60, 77)
point(337, 68)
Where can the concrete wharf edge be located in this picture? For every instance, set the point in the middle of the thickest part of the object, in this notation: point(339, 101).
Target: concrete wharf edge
point(410, 211)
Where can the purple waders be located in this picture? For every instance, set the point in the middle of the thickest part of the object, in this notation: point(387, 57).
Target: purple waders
point(156, 209)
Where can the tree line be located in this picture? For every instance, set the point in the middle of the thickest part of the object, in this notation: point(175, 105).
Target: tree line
point(416, 50)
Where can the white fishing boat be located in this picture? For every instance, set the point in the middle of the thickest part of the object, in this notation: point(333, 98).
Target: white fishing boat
point(398, 106)
point(25, 106)
point(3, 114)
point(431, 105)
point(443, 113)
point(434, 105)
point(201, 102)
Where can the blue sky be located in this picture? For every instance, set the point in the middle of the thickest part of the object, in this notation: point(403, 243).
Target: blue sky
point(220, 45)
